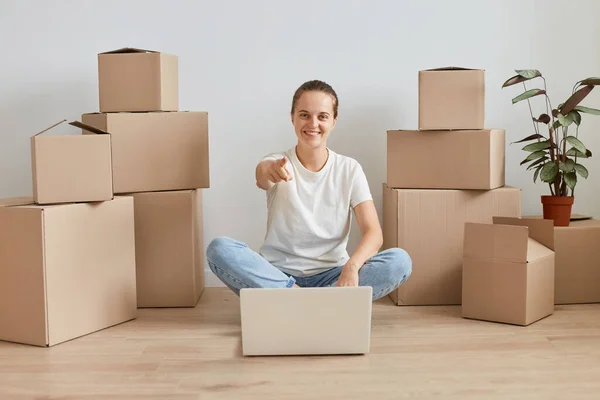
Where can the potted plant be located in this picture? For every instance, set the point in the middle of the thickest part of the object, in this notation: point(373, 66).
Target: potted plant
point(556, 158)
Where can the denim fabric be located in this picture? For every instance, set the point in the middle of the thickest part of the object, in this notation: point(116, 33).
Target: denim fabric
point(237, 266)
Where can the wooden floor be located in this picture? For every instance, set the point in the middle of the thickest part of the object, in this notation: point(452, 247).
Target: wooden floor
point(417, 352)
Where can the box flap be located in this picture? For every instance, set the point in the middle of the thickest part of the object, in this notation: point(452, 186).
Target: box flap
point(77, 124)
point(88, 128)
point(16, 201)
point(47, 129)
point(124, 50)
point(536, 250)
point(496, 242)
point(452, 68)
point(540, 230)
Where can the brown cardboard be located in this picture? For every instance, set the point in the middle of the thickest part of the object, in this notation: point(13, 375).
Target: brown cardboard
point(577, 266)
point(465, 159)
point(156, 151)
point(429, 225)
point(169, 248)
point(508, 271)
point(71, 168)
point(66, 270)
point(451, 98)
point(138, 80)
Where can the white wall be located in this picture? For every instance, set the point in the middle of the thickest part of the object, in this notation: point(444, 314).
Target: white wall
point(242, 60)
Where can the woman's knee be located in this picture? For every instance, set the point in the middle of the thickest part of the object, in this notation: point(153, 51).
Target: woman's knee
point(399, 264)
point(218, 247)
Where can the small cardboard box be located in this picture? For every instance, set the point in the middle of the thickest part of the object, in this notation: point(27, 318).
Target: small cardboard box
point(429, 225)
point(156, 151)
point(451, 98)
point(169, 248)
point(71, 168)
point(65, 270)
point(138, 80)
point(465, 159)
point(508, 271)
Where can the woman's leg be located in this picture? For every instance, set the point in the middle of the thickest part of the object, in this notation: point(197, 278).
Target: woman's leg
point(385, 271)
point(238, 267)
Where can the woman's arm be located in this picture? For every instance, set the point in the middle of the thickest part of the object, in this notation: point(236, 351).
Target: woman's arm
point(369, 245)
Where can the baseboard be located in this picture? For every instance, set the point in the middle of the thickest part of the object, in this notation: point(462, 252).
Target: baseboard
point(211, 280)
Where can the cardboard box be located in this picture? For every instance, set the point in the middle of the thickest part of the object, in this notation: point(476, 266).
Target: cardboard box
point(169, 248)
point(466, 159)
point(451, 98)
point(138, 80)
point(65, 270)
point(577, 269)
point(429, 225)
point(508, 271)
point(156, 151)
point(71, 168)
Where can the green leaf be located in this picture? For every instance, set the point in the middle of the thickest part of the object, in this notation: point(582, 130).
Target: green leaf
point(576, 143)
point(575, 99)
point(534, 156)
point(587, 110)
point(538, 146)
point(576, 117)
point(573, 152)
point(532, 137)
point(565, 120)
point(544, 118)
point(556, 124)
point(567, 166)
point(536, 173)
point(549, 172)
point(536, 162)
point(523, 75)
point(570, 179)
point(528, 94)
point(528, 73)
point(581, 170)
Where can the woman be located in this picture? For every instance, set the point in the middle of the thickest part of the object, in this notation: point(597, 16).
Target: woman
point(311, 193)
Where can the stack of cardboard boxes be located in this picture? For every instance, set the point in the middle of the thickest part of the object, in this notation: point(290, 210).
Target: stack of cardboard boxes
point(444, 181)
point(115, 221)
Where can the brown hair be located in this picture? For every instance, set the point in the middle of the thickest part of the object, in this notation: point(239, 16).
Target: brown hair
point(316, 86)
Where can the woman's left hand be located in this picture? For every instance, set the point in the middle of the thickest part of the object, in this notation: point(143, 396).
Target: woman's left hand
point(348, 277)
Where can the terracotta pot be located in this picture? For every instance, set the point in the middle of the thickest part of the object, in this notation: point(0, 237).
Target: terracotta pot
point(558, 208)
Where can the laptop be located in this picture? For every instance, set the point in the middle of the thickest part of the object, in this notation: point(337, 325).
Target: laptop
point(306, 321)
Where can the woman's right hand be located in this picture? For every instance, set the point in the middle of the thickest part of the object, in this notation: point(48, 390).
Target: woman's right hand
point(277, 171)
point(270, 172)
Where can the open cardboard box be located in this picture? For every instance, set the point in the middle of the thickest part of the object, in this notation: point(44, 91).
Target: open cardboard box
point(508, 270)
point(70, 168)
point(451, 98)
point(132, 79)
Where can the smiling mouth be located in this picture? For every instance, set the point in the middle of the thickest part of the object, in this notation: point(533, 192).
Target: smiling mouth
point(311, 133)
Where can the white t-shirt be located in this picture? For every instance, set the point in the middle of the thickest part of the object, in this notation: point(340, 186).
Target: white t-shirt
point(309, 217)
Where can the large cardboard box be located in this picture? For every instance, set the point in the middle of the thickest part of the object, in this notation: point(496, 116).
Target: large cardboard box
point(169, 248)
point(577, 266)
point(138, 80)
point(65, 270)
point(429, 225)
point(156, 151)
point(466, 159)
point(69, 168)
point(451, 98)
point(508, 270)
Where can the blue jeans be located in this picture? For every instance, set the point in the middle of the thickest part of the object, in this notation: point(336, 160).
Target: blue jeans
point(237, 266)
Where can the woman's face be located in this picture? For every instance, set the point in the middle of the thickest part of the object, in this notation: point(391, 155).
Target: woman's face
point(313, 119)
